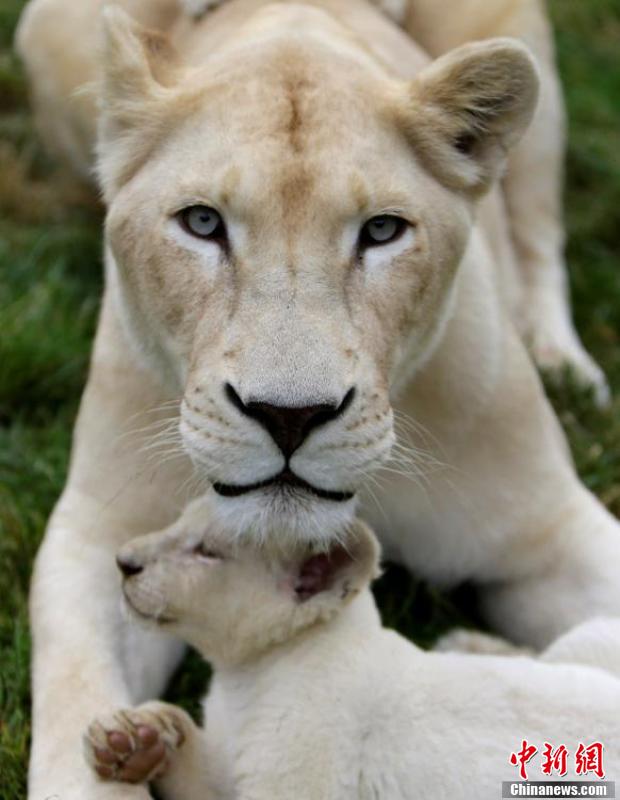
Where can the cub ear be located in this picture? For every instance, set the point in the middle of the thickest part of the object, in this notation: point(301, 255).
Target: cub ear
point(138, 69)
point(343, 571)
point(468, 108)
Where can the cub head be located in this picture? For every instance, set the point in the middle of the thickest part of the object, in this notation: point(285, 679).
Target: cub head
point(233, 602)
point(285, 223)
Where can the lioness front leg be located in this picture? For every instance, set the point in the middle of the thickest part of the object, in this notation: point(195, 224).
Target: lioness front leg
point(86, 658)
point(535, 212)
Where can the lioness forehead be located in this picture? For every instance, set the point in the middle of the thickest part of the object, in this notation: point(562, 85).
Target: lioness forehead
point(302, 93)
point(283, 135)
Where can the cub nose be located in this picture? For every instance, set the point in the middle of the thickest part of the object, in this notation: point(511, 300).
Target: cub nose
point(289, 426)
point(127, 567)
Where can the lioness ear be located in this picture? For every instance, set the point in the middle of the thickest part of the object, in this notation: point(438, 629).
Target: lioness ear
point(468, 108)
point(138, 68)
point(343, 571)
point(137, 64)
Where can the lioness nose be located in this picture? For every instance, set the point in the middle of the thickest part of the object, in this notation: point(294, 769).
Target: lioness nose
point(289, 426)
point(127, 568)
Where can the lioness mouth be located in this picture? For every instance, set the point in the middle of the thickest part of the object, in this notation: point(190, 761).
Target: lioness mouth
point(284, 478)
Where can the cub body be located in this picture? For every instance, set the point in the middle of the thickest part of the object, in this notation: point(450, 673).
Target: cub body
point(312, 698)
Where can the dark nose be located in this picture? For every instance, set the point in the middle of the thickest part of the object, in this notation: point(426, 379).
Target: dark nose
point(289, 426)
point(127, 568)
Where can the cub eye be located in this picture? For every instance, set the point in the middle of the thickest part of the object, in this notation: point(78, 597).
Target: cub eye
point(206, 552)
point(381, 230)
point(203, 221)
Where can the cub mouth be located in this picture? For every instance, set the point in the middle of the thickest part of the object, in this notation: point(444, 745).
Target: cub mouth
point(286, 478)
point(159, 619)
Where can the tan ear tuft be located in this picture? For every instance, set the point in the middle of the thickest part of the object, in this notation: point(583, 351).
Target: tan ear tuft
point(139, 69)
point(136, 62)
point(468, 108)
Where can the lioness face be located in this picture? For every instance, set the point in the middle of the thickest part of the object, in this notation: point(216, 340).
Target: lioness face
point(282, 253)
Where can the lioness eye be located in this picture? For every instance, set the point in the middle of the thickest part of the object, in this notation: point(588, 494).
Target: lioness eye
point(203, 221)
point(381, 230)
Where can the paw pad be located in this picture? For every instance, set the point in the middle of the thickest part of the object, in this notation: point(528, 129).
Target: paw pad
point(132, 747)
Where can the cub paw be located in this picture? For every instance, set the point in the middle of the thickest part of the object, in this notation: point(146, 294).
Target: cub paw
point(134, 745)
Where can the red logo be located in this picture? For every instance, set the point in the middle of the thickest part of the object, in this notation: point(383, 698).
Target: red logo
point(588, 759)
point(555, 760)
point(520, 759)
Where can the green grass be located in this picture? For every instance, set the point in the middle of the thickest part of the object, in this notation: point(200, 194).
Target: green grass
point(49, 291)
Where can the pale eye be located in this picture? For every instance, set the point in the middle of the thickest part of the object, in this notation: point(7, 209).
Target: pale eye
point(381, 230)
point(204, 222)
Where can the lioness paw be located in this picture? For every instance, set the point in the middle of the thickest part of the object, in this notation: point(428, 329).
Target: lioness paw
point(548, 331)
point(135, 745)
point(554, 353)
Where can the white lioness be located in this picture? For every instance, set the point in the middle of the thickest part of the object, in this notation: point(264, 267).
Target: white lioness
point(292, 248)
point(312, 699)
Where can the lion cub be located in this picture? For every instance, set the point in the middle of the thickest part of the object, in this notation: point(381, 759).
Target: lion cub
point(312, 698)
